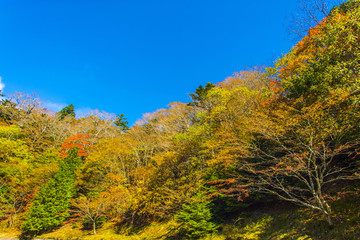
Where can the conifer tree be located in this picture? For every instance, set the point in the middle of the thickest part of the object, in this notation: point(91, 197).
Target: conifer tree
point(50, 205)
point(200, 94)
point(67, 111)
point(195, 218)
point(121, 122)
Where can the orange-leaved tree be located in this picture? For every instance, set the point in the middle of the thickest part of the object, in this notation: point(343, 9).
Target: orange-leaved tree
point(79, 141)
point(298, 153)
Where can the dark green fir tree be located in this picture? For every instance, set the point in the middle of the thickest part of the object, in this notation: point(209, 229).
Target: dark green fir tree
point(195, 218)
point(121, 122)
point(200, 94)
point(67, 111)
point(50, 206)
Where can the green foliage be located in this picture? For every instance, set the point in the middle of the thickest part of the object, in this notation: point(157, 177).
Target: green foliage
point(14, 158)
point(9, 131)
point(121, 122)
point(50, 205)
point(195, 218)
point(252, 138)
point(200, 94)
point(67, 111)
point(15, 165)
point(51, 156)
point(6, 106)
point(327, 59)
point(346, 6)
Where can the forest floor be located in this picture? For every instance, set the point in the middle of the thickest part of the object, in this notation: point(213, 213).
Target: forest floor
point(272, 221)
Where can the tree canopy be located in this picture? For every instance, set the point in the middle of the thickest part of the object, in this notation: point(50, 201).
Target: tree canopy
point(285, 134)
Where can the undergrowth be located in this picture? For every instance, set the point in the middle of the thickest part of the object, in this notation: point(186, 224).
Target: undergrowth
point(271, 221)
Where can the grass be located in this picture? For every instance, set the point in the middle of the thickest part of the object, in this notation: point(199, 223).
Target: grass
point(108, 232)
point(271, 221)
point(286, 221)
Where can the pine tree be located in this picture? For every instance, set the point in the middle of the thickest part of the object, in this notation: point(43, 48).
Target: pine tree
point(200, 94)
point(195, 218)
point(121, 122)
point(50, 205)
point(67, 111)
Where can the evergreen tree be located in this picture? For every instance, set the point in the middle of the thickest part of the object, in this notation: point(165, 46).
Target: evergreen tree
point(50, 205)
point(121, 122)
point(67, 111)
point(195, 218)
point(200, 94)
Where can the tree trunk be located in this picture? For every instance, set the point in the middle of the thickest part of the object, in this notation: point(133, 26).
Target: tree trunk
point(11, 220)
point(329, 220)
point(94, 227)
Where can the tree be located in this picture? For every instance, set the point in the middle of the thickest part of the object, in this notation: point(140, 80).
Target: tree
point(50, 205)
point(309, 14)
point(326, 59)
point(112, 156)
point(40, 129)
point(13, 201)
point(15, 165)
point(97, 124)
point(67, 111)
point(230, 119)
point(195, 218)
point(297, 154)
point(200, 94)
point(92, 209)
point(121, 122)
point(17, 107)
point(79, 141)
point(303, 136)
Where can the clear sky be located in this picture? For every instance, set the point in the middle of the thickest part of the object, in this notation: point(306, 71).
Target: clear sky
point(134, 56)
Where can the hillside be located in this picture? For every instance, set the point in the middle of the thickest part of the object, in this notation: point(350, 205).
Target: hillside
point(269, 153)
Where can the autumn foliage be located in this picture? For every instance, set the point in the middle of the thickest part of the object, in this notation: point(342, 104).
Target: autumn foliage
point(78, 141)
point(288, 133)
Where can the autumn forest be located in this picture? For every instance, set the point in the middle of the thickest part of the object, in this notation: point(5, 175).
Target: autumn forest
point(268, 153)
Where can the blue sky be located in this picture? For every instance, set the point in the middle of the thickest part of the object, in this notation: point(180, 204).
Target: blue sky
point(133, 57)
